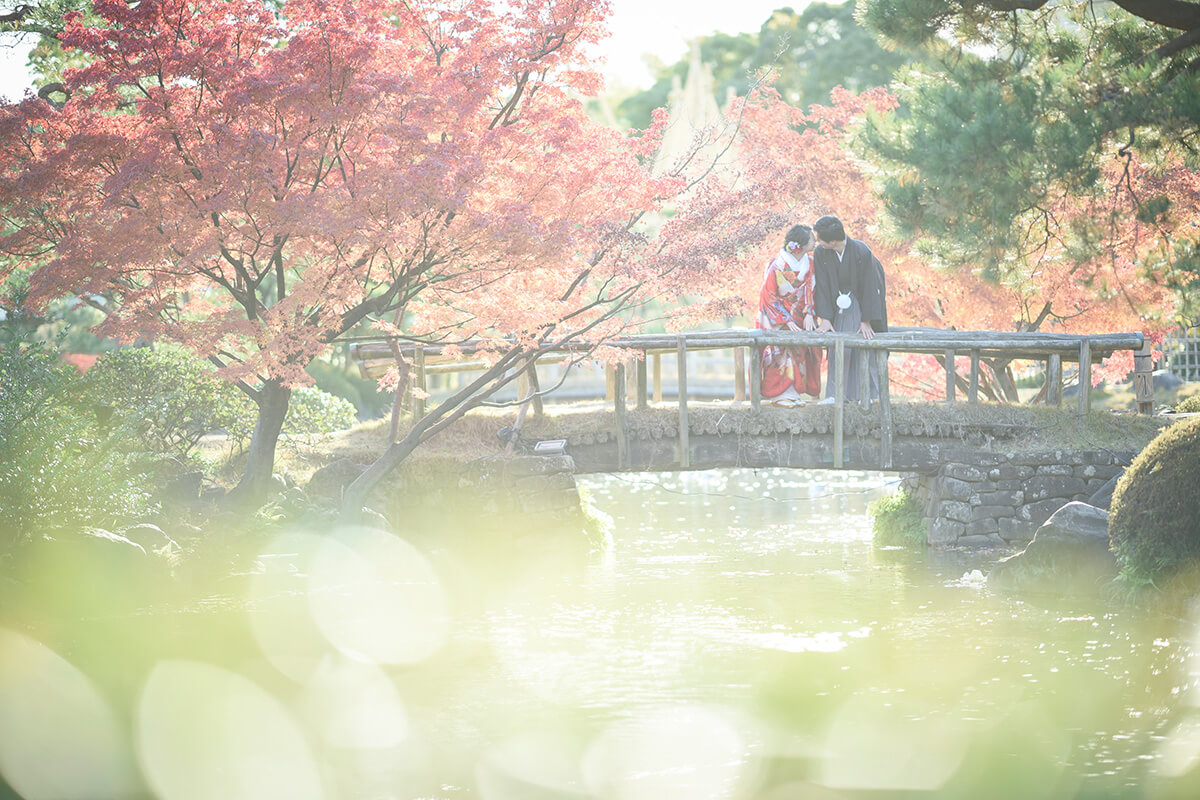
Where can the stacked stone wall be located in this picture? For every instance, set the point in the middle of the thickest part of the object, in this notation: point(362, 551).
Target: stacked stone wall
point(1003, 498)
point(526, 484)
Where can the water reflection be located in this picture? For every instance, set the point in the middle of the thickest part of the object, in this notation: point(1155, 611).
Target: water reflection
point(844, 667)
point(743, 638)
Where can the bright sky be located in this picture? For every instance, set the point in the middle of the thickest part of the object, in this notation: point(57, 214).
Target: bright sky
point(661, 27)
point(664, 27)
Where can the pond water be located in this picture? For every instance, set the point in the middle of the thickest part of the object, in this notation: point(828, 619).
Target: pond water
point(742, 638)
point(745, 638)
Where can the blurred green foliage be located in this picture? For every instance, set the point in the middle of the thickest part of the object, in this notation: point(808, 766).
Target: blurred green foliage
point(811, 52)
point(168, 396)
point(312, 410)
point(1153, 524)
point(1012, 108)
point(335, 373)
point(1188, 405)
point(60, 465)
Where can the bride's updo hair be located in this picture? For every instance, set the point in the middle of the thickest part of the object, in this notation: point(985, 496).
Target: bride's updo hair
point(797, 238)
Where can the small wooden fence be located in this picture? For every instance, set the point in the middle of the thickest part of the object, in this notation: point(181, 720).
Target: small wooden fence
point(1181, 355)
point(374, 358)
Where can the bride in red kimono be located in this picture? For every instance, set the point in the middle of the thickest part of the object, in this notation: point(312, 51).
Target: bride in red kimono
point(786, 303)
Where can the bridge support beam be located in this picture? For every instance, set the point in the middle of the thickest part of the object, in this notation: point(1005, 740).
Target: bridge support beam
point(529, 387)
point(1085, 376)
point(756, 378)
point(739, 373)
point(839, 402)
point(951, 375)
point(973, 383)
point(1054, 380)
point(418, 398)
point(885, 412)
point(684, 455)
point(641, 382)
point(1143, 379)
point(619, 412)
point(401, 395)
point(865, 358)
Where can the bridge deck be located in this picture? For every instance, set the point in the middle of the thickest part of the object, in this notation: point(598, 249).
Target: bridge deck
point(925, 435)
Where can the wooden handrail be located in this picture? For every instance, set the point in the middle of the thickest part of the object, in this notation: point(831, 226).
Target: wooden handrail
point(375, 357)
point(907, 340)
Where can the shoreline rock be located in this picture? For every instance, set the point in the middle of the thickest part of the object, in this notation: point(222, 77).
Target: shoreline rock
point(1068, 555)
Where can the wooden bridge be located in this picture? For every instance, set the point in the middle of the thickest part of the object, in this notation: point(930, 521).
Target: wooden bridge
point(632, 386)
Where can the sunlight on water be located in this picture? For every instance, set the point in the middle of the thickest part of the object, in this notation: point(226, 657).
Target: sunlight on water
point(871, 745)
point(677, 751)
point(283, 623)
point(375, 597)
point(354, 706)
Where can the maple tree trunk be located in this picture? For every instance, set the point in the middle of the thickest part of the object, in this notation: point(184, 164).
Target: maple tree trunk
point(446, 413)
point(260, 459)
point(355, 495)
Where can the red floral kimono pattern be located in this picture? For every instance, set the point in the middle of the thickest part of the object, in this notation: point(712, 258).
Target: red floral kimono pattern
point(786, 296)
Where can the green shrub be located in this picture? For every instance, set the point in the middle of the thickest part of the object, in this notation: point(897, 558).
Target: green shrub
point(1154, 523)
point(1188, 405)
point(170, 397)
point(340, 379)
point(59, 467)
point(311, 410)
point(897, 520)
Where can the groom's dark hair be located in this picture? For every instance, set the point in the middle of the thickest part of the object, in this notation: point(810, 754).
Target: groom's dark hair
point(829, 229)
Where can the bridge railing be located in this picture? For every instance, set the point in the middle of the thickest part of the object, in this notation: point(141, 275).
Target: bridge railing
point(374, 357)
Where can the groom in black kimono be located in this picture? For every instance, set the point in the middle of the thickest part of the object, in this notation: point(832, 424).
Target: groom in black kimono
point(851, 297)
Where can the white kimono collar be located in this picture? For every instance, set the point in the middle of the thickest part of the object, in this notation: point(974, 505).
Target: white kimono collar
point(801, 266)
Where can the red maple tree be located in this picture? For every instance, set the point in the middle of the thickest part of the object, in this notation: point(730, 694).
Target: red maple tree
point(253, 183)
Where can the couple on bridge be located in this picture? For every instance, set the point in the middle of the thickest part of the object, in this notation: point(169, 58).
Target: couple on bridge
point(820, 281)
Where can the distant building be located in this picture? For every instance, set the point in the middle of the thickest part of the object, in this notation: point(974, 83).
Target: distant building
point(695, 117)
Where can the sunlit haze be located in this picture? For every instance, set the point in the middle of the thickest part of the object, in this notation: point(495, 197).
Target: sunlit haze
point(663, 29)
point(639, 28)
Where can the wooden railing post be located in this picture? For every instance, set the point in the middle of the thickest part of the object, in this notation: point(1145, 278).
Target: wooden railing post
point(528, 388)
point(401, 393)
point(641, 382)
point(418, 398)
point(885, 412)
point(839, 400)
point(756, 378)
point(424, 365)
point(526, 391)
point(619, 386)
point(539, 408)
point(684, 455)
point(1085, 376)
point(658, 378)
point(951, 375)
point(973, 383)
point(864, 378)
point(1054, 380)
point(1143, 379)
point(739, 374)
